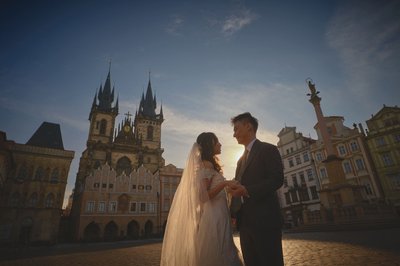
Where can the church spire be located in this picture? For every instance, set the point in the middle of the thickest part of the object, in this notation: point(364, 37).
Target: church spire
point(106, 95)
point(148, 104)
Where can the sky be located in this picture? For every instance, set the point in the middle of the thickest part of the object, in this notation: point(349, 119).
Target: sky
point(208, 61)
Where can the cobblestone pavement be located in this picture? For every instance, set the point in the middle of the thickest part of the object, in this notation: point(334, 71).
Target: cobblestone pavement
point(379, 247)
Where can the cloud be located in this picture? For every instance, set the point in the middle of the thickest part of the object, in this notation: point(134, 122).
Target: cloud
point(218, 105)
point(174, 27)
point(236, 22)
point(366, 37)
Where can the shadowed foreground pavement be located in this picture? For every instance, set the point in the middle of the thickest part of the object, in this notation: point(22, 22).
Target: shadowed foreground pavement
point(379, 247)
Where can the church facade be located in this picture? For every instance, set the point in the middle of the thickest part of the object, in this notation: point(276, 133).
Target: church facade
point(117, 192)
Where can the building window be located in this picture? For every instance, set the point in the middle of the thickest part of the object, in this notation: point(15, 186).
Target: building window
point(49, 202)
point(285, 183)
point(293, 193)
point(23, 172)
point(342, 150)
point(396, 138)
point(40, 173)
point(298, 160)
point(380, 141)
point(306, 157)
point(104, 185)
point(113, 206)
point(54, 176)
point(303, 193)
point(96, 185)
point(354, 146)
point(166, 205)
point(287, 198)
point(310, 175)
point(150, 130)
point(148, 188)
point(90, 206)
point(152, 207)
point(302, 179)
point(323, 173)
point(287, 151)
point(142, 207)
point(387, 159)
point(103, 126)
point(102, 206)
point(124, 165)
point(33, 200)
point(110, 186)
point(291, 164)
point(133, 207)
point(347, 167)
point(318, 156)
point(134, 187)
point(314, 193)
point(368, 189)
point(360, 164)
point(140, 187)
point(395, 180)
point(294, 180)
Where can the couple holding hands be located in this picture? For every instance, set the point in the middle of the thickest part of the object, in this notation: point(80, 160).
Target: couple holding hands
point(199, 226)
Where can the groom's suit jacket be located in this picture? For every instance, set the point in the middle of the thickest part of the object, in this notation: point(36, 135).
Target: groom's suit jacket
point(262, 176)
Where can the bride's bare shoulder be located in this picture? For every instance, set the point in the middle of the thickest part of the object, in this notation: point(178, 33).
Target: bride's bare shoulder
point(208, 164)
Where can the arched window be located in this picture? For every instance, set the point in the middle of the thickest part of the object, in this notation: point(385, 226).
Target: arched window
point(33, 200)
point(96, 164)
point(103, 126)
point(23, 172)
point(124, 164)
point(55, 176)
point(40, 173)
point(150, 130)
point(49, 202)
point(15, 199)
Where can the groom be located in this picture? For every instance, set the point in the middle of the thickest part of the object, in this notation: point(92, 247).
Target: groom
point(255, 204)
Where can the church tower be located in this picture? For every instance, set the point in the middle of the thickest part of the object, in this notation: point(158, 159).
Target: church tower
point(102, 115)
point(148, 129)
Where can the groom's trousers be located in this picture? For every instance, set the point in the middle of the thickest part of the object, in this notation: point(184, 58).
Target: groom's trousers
point(261, 248)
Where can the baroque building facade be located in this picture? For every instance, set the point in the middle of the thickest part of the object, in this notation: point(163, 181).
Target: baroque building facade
point(34, 185)
point(383, 139)
point(300, 186)
point(118, 192)
point(349, 145)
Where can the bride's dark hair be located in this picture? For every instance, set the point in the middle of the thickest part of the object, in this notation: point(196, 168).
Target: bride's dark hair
point(207, 141)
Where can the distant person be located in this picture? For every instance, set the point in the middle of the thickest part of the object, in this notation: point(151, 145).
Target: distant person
point(255, 204)
point(198, 231)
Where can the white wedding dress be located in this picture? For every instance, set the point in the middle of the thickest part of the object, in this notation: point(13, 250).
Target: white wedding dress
point(215, 231)
point(198, 231)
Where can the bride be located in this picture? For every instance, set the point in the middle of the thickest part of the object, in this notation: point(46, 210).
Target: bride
point(198, 231)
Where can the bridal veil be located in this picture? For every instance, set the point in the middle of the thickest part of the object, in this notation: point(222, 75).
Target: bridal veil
point(180, 244)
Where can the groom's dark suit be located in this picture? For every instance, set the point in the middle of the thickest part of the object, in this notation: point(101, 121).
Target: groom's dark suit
point(259, 218)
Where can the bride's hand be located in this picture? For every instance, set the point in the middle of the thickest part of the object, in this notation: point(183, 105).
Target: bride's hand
point(231, 184)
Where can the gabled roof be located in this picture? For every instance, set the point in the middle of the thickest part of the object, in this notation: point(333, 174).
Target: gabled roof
point(48, 135)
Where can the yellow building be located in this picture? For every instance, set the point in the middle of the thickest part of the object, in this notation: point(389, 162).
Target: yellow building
point(34, 187)
point(383, 138)
point(348, 144)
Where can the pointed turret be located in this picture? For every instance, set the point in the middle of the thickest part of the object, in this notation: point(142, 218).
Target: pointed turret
point(161, 113)
point(147, 104)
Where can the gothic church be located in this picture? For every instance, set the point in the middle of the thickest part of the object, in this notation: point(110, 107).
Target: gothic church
point(117, 187)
